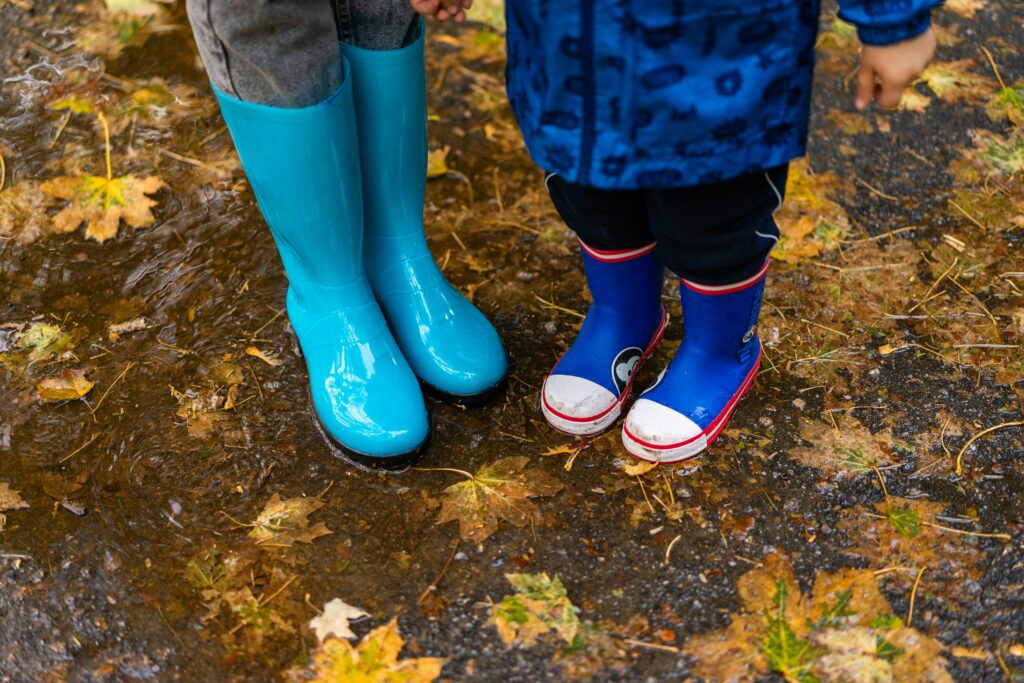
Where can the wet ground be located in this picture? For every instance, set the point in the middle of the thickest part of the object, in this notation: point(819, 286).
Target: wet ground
point(893, 334)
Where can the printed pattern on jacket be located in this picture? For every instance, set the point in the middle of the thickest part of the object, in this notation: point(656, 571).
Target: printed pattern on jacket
point(620, 94)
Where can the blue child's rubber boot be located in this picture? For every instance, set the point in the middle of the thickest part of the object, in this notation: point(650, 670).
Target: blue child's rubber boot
point(714, 367)
point(584, 393)
point(303, 166)
point(450, 345)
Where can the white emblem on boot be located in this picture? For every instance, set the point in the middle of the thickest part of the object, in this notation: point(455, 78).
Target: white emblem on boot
point(624, 365)
point(750, 334)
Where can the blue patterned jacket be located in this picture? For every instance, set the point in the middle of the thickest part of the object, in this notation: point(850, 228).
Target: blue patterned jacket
point(669, 93)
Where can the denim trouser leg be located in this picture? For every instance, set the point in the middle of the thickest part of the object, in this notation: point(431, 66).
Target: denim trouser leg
point(284, 53)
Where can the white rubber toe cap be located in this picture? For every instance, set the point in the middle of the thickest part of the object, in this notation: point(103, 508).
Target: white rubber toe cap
point(578, 406)
point(656, 433)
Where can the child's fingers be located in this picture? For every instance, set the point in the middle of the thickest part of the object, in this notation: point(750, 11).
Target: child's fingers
point(890, 93)
point(865, 86)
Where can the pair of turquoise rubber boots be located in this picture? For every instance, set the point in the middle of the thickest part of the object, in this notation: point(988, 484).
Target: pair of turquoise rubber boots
point(341, 185)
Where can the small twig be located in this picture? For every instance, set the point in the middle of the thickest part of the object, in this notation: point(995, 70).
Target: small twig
point(3, 172)
point(881, 480)
point(77, 450)
point(969, 216)
point(874, 190)
point(960, 455)
point(668, 550)
point(995, 69)
point(60, 129)
point(651, 646)
point(277, 314)
point(913, 595)
point(433, 584)
point(643, 490)
point(1005, 537)
point(106, 140)
point(128, 367)
point(255, 379)
point(548, 304)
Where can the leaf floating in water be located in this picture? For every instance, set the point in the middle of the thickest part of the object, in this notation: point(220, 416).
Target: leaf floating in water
point(286, 522)
point(102, 203)
point(9, 500)
point(71, 385)
point(500, 490)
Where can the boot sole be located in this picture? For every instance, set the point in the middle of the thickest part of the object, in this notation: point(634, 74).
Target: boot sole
point(466, 400)
point(374, 463)
point(701, 443)
point(586, 427)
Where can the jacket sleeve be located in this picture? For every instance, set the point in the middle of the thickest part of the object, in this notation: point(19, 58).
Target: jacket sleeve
point(884, 22)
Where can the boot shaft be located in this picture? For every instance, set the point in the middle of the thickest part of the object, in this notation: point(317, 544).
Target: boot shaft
point(722, 320)
point(303, 167)
point(626, 281)
point(389, 87)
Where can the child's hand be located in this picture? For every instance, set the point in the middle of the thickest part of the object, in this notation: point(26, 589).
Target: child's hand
point(442, 10)
point(887, 70)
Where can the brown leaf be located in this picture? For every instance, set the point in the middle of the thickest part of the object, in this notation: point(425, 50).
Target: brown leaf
point(23, 213)
point(266, 358)
point(850, 449)
point(71, 385)
point(500, 490)
point(810, 220)
point(9, 500)
point(102, 203)
point(286, 522)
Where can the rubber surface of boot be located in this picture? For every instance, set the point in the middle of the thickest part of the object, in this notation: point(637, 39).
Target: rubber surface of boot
point(304, 170)
point(584, 393)
point(714, 367)
point(450, 344)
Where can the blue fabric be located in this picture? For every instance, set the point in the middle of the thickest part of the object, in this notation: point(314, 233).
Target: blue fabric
point(674, 93)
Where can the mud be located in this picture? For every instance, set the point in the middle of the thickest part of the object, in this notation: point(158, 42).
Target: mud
point(105, 596)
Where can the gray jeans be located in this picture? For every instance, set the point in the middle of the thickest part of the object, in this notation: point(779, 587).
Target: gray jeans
point(284, 53)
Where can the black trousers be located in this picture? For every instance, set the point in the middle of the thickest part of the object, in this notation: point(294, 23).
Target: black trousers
point(713, 234)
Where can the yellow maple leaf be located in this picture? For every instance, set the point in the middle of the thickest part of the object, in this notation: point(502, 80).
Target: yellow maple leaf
point(70, 385)
point(500, 490)
point(283, 523)
point(954, 82)
point(374, 660)
point(102, 203)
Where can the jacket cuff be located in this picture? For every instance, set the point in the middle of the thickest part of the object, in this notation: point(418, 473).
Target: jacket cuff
point(888, 34)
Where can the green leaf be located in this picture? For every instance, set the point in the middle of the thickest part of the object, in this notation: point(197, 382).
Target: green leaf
point(886, 650)
point(905, 521)
point(787, 654)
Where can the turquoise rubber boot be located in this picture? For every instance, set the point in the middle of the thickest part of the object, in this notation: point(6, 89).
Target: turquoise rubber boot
point(304, 169)
point(450, 345)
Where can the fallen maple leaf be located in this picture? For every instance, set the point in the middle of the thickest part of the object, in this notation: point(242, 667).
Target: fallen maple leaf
point(334, 620)
point(954, 82)
point(844, 630)
point(500, 490)
point(9, 500)
point(539, 605)
point(71, 385)
point(286, 522)
point(102, 203)
point(374, 660)
point(849, 449)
